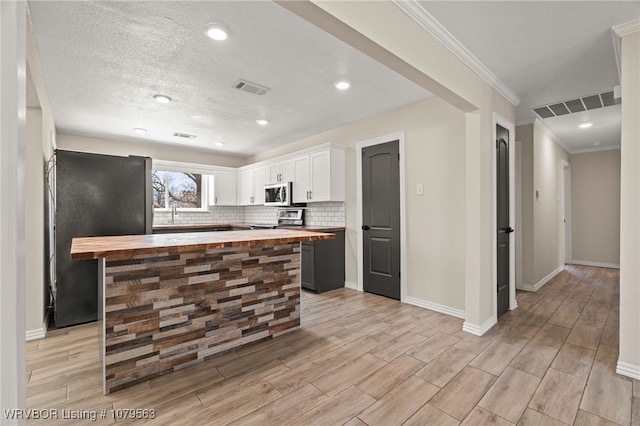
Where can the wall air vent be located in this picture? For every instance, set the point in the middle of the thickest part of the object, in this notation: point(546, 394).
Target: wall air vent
point(253, 88)
point(600, 100)
point(184, 135)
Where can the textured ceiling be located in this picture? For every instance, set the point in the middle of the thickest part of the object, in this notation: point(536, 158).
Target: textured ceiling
point(103, 62)
point(545, 52)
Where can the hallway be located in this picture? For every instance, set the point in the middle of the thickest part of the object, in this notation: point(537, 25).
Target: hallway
point(364, 359)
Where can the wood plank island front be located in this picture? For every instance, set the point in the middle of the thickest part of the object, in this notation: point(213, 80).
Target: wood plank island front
point(172, 300)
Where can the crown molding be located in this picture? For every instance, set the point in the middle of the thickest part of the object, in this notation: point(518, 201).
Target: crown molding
point(559, 141)
point(423, 18)
point(619, 31)
point(596, 149)
point(627, 28)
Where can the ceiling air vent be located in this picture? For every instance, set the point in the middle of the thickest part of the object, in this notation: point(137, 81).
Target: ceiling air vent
point(184, 135)
point(577, 105)
point(544, 112)
point(247, 86)
point(592, 102)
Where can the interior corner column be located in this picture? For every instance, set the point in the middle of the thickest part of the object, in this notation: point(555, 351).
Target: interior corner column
point(473, 225)
point(629, 358)
point(12, 144)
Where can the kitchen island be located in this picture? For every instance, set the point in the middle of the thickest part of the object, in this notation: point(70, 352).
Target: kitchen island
point(172, 300)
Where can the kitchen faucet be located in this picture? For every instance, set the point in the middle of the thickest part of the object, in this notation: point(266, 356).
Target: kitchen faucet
point(174, 213)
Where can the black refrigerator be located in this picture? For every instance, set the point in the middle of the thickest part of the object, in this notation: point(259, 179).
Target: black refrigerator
point(96, 195)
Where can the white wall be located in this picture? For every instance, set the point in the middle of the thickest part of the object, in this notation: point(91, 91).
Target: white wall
point(35, 280)
point(595, 203)
point(157, 151)
point(12, 250)
point(525, 135)
point(629, 359)
point(548, 225)
point(40, 145)
point(542, 193)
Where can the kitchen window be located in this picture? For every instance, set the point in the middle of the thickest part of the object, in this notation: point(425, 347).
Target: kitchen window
point(183, 190)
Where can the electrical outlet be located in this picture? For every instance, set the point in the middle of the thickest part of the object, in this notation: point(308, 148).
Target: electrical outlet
point(419, 189)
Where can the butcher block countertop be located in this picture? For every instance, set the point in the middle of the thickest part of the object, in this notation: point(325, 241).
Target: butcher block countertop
point(187, 227)
point(126, 246)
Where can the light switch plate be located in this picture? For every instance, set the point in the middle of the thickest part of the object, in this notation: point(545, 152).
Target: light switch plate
point(419, 189)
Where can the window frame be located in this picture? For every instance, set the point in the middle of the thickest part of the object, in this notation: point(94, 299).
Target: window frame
point(177, 167)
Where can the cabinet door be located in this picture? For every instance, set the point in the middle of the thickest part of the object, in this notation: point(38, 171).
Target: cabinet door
point(224, 189)
point(274, 172)
point(307, 266)
point(301, 179)
point(260, 179)
point(320, 185)
point(245, 187)
point(286, 171)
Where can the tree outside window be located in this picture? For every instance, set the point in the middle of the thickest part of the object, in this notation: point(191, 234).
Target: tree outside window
point(176, 189)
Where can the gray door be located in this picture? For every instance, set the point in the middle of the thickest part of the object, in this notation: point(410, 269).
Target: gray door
point(502, 181)
point(381, 219)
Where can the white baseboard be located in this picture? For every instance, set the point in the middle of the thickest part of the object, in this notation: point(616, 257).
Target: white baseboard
point(435, 307)
point(38, 333)
point(598, 264)
point(351, 285)
point(478, 330)
point(537, 286)
point(628, 370)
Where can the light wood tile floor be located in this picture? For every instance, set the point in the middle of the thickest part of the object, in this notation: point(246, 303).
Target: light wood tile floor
point(361, 359)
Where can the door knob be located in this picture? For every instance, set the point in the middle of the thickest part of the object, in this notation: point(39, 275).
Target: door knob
point(365, 227)
point(509, 230)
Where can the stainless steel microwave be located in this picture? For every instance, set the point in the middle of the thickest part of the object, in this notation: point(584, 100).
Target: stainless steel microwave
point(278, 194)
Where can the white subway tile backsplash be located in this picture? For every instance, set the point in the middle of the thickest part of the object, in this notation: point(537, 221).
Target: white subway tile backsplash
point(316, 214)
point(215, 214)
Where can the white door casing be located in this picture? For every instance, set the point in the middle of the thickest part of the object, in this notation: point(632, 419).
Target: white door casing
point(399, 136)
point(498, 119)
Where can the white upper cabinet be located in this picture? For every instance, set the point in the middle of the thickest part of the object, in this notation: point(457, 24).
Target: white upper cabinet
point(281, 171)
point(301, 179)
point(260, 179)
point(319, 176)
point(251, 182)
point(222, 189)
point(245, 187)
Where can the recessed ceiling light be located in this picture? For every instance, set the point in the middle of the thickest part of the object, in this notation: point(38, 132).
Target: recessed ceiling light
point(342, 85)
point(163, 99)
point(219, 143)
point(262, 122)
point(596, 143)
point(586, 125)
point(140, 130)
point(216, 32)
